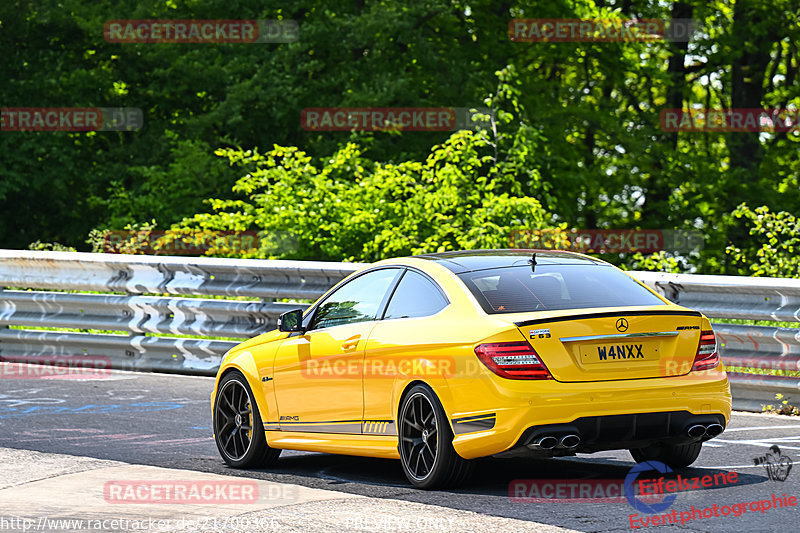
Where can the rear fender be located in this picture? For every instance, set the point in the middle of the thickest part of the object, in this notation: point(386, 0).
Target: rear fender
point(428, 371)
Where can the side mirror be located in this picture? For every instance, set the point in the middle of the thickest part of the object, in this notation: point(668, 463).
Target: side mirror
point(291, 321)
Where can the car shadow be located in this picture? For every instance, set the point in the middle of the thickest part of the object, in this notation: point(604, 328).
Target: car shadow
point(492, 476)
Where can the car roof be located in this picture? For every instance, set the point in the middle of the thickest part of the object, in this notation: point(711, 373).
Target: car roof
point(470, 260)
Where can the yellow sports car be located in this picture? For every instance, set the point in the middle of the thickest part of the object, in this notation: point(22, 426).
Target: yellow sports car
point(442, 358)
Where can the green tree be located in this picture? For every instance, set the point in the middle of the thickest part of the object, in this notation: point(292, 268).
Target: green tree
point(350, 207)
point(773, 247)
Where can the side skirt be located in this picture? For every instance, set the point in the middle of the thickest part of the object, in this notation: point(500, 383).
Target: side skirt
point(381, 446)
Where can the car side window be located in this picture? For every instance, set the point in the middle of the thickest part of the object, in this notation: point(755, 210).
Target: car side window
point(356, 301)
point(415, 296)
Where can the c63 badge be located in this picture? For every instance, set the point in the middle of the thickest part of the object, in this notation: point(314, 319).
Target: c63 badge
point(540, 333)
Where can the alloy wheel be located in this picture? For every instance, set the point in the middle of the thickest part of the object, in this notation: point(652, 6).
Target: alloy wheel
point(419, 436)
point(233, 420)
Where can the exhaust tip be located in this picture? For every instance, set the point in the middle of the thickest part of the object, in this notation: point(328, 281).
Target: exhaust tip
point(570, 441)
point(714, 429)
point(697, 430)
point(545, 443)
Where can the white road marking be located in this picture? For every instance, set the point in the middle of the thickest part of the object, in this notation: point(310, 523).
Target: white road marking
point(760, 443)
point(762, 427)
point(731, 467)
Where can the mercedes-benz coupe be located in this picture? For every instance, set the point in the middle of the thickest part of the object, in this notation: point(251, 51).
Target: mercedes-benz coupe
point(442, 358)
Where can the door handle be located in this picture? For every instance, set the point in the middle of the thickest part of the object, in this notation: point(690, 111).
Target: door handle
point(351, 343)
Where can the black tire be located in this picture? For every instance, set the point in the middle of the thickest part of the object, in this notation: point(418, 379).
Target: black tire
point(238, 430)
point(421, 419)
point(672, 455)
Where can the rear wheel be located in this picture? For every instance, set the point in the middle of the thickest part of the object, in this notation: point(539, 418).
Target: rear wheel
point(672, 455)
point(238, 430)
point(426, 442)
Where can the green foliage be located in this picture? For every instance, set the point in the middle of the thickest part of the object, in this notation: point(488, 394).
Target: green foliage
point(350, 207)
point(783, 409)
point(773, 248)
point(659, 261)
point(577, 126)
point(50, 246)
point(133, 239)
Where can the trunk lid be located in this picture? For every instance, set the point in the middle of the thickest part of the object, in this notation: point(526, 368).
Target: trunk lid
point(605, 345)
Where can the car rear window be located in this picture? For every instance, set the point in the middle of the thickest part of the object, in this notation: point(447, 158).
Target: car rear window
point(553, 287)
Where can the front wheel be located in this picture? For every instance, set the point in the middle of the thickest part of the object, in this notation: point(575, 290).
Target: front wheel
point(672, 455)
point(238, 430)
point(426, 442)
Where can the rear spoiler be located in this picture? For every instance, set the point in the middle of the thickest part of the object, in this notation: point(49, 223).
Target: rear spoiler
point(562, 318)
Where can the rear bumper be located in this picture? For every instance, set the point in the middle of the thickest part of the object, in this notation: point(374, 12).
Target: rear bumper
point(611, 432)
point(605, 415)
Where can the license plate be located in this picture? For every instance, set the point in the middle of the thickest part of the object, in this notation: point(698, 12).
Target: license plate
point(610, 353)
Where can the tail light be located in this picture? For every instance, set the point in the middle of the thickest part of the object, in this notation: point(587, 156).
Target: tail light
point(512, 360)
point(707, 356)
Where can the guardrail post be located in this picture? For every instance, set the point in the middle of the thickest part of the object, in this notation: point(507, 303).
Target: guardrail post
point(2, 289)
point(2, 326)
point(671, 291)
point(261, 320)
point(130, 353)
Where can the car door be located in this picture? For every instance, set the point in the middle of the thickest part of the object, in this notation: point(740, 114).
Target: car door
point(405, 332)
point(318, 374)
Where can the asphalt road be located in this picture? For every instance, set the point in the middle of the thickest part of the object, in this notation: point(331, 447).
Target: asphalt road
point(164, 420)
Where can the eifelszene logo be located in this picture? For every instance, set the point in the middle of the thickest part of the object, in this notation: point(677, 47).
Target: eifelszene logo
point(630, 479)
point(643, 499)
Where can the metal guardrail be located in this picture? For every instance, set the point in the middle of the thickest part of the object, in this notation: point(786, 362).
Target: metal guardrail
point(141, 274)
point(775, 299)
point(129, 301)
point(748, 346)
point(141, 321)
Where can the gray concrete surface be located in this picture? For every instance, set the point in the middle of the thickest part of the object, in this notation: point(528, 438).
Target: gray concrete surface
point(163, 421)
point(55, 492)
